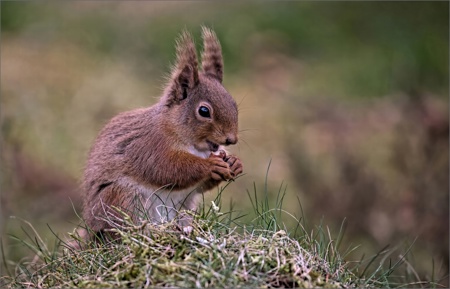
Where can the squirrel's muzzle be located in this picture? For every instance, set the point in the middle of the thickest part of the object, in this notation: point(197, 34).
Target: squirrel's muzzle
point(231, 140)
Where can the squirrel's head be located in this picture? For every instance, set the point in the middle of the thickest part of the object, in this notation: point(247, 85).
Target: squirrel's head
point(203, 112)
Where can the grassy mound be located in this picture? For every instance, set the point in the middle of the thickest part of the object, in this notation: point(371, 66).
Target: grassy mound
point(218, 252)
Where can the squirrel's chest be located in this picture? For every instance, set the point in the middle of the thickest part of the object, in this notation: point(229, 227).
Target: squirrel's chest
point(201, 154)
point(164, 204)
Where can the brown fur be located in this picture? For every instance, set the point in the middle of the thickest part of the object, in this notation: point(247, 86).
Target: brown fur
point(162, 156)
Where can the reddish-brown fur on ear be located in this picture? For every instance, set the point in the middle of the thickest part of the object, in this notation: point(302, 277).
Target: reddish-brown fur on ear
point(212, 61)
point(184, 72)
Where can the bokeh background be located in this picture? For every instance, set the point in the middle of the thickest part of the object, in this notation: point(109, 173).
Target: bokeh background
point(347, 102)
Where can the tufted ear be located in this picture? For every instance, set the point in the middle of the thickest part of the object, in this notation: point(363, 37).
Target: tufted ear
point(212, 61)
point(184, 74)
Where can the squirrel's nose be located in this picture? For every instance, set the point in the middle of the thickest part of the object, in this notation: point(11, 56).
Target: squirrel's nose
point(231, 140)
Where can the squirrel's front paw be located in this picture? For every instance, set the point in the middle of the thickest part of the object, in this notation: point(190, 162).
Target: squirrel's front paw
point(235, 164)
point(220, 169)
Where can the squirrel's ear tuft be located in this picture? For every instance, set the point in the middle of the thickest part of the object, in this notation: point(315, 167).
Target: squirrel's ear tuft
point(184, 74)
point(212, 61)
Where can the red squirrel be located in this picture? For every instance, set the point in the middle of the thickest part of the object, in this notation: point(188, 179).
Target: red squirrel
point(159, 160)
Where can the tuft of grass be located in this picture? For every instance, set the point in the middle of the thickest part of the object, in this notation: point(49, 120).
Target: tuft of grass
point(220, 251)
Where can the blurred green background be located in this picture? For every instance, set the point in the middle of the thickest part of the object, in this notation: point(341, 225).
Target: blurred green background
point(347, 101)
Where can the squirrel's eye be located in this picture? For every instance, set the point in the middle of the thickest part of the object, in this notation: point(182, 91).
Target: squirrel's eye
point(204, 111)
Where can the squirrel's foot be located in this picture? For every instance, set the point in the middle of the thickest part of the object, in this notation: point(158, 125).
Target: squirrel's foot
point(187, 230)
